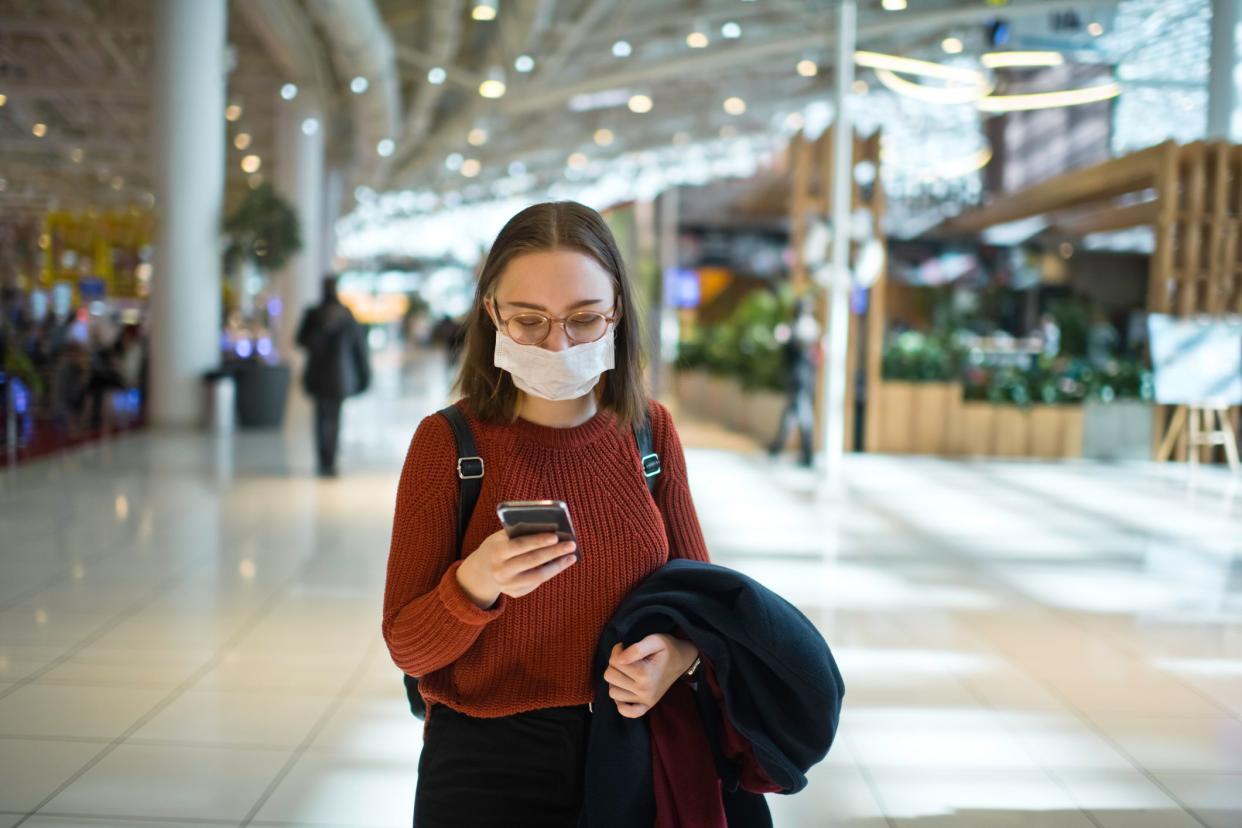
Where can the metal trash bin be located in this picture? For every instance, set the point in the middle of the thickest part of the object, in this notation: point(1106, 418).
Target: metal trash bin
point(221, 400)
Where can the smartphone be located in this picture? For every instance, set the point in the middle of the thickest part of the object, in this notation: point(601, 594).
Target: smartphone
point(534, 517)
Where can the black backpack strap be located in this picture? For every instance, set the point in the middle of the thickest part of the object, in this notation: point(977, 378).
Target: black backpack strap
point(469, 469)
point(646, 453)
point(469, 484)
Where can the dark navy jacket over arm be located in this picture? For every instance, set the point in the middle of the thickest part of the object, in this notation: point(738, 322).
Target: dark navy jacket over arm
point(781, 687)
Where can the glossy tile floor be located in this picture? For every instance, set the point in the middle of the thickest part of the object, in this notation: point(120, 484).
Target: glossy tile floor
point(189, 632)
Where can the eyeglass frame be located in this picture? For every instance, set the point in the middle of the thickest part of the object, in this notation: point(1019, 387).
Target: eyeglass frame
point(501, 323)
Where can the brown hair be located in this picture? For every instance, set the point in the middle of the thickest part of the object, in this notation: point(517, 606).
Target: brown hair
point(553, 225)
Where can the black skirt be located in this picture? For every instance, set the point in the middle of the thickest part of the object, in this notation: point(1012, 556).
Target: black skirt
point(514, 771)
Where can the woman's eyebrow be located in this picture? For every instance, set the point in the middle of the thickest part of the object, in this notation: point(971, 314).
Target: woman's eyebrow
point(575, 305)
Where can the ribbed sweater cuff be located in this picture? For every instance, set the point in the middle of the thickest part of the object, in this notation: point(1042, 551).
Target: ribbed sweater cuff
point(458, 603)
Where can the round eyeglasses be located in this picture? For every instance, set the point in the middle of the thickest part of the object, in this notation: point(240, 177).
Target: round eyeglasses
point(533, 327)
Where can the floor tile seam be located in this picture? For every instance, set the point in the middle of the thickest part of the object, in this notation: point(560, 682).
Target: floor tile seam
point(1082, 717)
point(1007, 485)
point(264, 609)
point(139, 819)
point(355, 678)
point(115, 621)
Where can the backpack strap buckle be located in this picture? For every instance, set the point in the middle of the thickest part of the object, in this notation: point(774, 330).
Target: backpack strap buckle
point(470, 468)
point(651, 465)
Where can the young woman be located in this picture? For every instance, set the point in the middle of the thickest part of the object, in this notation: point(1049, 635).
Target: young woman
point(503, 638)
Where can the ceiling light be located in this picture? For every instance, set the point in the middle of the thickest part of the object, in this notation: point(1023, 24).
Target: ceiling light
point(604, 137)
point(494, 86)
point(310, 126)
point(577, 161)
point(734, 106)
point(359, 85)
point(77, 155)
point(894, 5)
point(640, 104)
point(696, 40)
point(622, 48)
point(289, 91)
point(1049, 100)
point(477, 137)
point(860, 87)
point(524, 63)
point(39, 130)
point(1008, 60)
point(470, 167)
point(436, 76)
point(232, 112)
point(952, 45)
point(453, 162)
point(241, 140)
point(731, 30)
point(1095, 29)
point(385, 147)
point(251, 163)
point(484, 10)
point(795, 121)
point(807, 68)
point(3, 99)
point(923, 68)
point(953, 94)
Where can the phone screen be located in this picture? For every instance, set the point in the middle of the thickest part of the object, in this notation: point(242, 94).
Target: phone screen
point(521, 518)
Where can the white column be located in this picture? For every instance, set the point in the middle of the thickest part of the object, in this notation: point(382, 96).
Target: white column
point(838, 333)
point(189, 91)
point(333, 198)
point(299, 168)
point(1224, 118)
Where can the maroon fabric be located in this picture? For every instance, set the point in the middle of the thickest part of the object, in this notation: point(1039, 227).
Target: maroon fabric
point(687, 788)
point(736, 748)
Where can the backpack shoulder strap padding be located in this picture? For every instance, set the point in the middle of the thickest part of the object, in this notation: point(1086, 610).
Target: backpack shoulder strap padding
point(470, 469)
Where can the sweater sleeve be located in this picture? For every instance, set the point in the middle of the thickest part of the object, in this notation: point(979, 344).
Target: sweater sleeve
point(429, 621)
point(672, 495)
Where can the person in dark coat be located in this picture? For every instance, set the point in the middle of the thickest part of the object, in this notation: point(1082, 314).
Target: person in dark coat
point(337, 366)
point(763, 709)
point(798, 348)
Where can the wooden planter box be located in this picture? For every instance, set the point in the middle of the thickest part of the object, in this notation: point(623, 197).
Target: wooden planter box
point(1044, 431)
point(762, 410)
point(918, 417)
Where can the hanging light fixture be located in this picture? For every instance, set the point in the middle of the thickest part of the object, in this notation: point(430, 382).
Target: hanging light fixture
point(494, 85)
point(484, 10)
point(1049, 100)
point(1014, 60)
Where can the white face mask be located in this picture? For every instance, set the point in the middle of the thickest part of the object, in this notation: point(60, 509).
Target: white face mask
point(556, 375)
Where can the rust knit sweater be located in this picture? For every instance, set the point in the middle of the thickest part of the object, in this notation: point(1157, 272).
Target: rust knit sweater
point(535, 651)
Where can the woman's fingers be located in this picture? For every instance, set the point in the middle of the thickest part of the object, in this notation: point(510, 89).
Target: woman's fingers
point(618, 694)
point(524, 582)
point(516, 547)
point(515, 567)
point(617, 678)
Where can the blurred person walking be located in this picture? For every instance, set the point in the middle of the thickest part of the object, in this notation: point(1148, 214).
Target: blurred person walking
point(799, 348)
point(337, 367)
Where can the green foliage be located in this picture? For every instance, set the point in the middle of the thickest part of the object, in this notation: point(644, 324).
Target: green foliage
point(744, 344)
point(916, 357)
point(1047, 381)
point(18, 364)
point(264, 228)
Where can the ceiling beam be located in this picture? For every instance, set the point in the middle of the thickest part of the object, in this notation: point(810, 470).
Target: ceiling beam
point(10, 24)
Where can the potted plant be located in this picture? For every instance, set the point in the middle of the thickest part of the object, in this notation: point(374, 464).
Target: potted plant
point(263, 233)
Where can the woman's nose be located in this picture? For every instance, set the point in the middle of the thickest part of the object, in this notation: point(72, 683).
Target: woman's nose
point(557, 340)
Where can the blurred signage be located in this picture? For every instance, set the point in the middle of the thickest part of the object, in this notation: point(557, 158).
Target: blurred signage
point(1197, 361)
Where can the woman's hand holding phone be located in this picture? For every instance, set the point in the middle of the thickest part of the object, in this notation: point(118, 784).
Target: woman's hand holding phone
point(513, 566)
